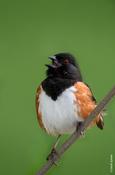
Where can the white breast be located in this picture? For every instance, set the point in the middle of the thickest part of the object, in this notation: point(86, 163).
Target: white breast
point(60, 116)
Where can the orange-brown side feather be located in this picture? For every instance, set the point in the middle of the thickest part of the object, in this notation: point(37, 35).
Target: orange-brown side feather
point(39, 116)
point(85, 102)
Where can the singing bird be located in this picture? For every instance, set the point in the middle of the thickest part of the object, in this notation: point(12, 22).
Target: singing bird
point(63, 100)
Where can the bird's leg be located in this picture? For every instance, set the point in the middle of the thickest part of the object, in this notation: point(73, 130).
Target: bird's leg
point(57, 141)
point(77, 128)
point(53, 150)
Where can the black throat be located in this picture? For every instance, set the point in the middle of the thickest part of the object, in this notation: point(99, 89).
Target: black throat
point(55, 86)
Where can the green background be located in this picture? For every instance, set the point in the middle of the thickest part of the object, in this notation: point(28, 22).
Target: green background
point(30, 31)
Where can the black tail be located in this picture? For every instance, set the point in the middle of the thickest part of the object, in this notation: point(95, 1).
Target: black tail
point(100, 122)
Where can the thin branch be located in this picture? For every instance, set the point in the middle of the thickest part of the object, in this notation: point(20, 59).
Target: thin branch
point(75, 136)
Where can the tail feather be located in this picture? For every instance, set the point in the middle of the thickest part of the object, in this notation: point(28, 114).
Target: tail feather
point(100, 121)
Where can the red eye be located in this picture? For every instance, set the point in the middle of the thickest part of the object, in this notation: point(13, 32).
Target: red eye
point(66, 61)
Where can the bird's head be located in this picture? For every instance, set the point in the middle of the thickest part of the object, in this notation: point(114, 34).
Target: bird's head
point(64, 66)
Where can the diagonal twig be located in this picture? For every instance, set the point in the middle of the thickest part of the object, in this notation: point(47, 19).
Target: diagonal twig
point(75, 136)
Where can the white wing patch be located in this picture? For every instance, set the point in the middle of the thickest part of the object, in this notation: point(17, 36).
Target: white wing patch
point(60, 116)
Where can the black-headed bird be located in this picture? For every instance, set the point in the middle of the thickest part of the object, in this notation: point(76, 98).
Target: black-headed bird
point(63, 100)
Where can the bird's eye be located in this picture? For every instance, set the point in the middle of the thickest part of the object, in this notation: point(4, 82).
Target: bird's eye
point(66, 61)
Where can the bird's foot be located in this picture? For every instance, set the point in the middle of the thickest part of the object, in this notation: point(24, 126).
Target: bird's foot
point(82, 133)
point(52, 156)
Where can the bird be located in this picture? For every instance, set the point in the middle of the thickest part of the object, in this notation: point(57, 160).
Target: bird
point(63, 100)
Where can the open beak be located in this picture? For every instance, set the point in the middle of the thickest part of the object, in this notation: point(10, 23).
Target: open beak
point(55, 64)
point(53, 58)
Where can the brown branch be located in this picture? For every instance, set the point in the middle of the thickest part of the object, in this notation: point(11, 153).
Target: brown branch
point(77, 134)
